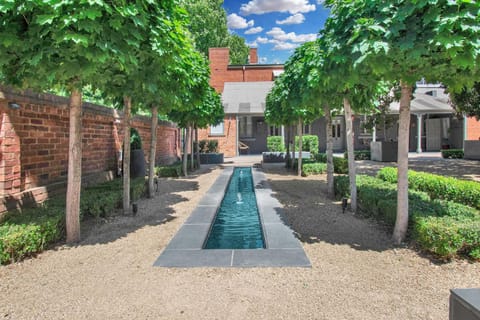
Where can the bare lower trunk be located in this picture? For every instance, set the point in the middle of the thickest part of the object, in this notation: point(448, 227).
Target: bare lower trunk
point(401, 224)
point(300, 146)
point(74, 183)
point(197, 147)
point(153, 150)
point(186, 143)
point(288, 158)
point(127, 107)
point(351, 157)
point(192, 158)
point(293, 147)
point(330, 167)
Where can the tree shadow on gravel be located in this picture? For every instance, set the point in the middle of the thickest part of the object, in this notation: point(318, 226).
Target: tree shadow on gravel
point(314, 218)
point(151, 212)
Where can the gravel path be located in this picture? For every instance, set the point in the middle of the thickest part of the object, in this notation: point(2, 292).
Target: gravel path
point(356, 273)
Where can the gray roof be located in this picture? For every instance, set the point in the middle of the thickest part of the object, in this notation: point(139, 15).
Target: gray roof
point(245, 97)
point(423, 104)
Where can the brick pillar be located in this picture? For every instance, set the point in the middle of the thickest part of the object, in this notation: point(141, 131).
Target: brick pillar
point(10, 169)
point(253, 56)
point(473, 129)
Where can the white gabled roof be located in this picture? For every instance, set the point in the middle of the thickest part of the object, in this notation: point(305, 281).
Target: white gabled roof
point(245, 97)
point(424, 104)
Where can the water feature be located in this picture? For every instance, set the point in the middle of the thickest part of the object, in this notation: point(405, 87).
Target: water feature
point(237, 223)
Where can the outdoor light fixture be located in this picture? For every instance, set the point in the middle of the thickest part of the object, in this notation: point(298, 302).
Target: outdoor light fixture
point(344, 204)
point(13, 105)
point(134, 208)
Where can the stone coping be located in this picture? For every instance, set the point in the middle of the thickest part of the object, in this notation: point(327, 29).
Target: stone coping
point(283, 249)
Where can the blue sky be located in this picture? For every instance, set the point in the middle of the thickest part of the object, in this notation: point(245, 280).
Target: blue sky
point(275, 27)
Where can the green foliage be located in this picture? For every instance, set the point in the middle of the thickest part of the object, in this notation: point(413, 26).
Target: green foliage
point(452, 153)
point(174, 171)
point(468, 101)
point(438, 187)
point(442, 227)
point(340, 165)
point(448, 237)
point(309, 143)
point(359, 155)
point(238, 49)
point(23, 234)
point(275, 144)
point(313, 168)
point(135, 139)
point(212, 146)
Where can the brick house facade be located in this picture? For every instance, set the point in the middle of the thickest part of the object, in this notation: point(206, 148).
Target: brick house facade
point(221, 73)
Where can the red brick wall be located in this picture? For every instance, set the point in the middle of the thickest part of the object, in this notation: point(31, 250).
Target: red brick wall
point(227, 141)
point(253, 56)
point(34, 145)
point(473, 129)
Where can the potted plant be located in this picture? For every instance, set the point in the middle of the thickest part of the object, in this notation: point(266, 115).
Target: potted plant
point(209, 152)
point(137, 157)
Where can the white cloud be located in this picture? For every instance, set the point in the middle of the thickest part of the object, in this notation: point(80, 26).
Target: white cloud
point(266, 6)
point(280, 35)
point(285, 46)
point(253, 44)
point(234, 21)
point(294, 19)
point(261, 40)
point(254, 30)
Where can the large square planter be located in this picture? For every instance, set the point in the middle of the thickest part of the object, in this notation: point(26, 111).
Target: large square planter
point(471, 149)
point(211, 158)
point(273, 157)
point(384, 151)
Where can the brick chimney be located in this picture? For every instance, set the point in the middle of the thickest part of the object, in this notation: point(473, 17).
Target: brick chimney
point(219, 60)
point(253, 56)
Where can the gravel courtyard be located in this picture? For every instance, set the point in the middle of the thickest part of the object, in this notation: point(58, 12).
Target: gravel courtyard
point(356, 272)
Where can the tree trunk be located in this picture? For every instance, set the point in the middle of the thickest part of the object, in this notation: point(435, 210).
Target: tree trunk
point(293, 146)
point(288, 158)
point(330, 167)
point(300, 146)
point(401, 224)
point(127, 107)
point(74, 184)
point(351, 157)
point(186, 143)
point(197, 148)
point(192, 158)
point(153, 150)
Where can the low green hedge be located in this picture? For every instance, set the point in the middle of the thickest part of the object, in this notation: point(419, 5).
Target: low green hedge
point(313, 168)
point(432, 221)
point(24, 234)
point(340, 164)
point(452, 153)
point(359, 155)
point(31, 231)
point(438, 187)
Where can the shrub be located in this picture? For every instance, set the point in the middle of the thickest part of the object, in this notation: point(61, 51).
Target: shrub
point(135, 139)
point(309, 143)
point(442, 227)
point(359, 155)
point(452, 153)
point(438, 187)
point(212, 146)
point(174, 170)
point(313, 168)
point(340, 164)
point(448, 236)
point(23, 234)
point(275, 144)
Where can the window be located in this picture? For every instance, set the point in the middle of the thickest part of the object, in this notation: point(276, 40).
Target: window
point(245, 127)
point(216, 130)
point(336, 129)
point(306, 129)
